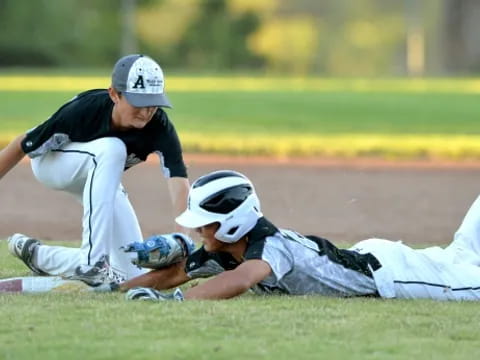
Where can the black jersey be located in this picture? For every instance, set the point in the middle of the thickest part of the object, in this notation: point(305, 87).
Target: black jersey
point(88, 116)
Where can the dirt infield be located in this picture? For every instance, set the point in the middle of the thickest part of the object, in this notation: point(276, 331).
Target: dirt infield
point(342, 201)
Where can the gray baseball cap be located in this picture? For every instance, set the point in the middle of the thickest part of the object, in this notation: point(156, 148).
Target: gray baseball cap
point(140, 79)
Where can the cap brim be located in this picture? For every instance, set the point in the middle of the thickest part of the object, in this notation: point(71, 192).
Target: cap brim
point(192, 220)
point(145, 100)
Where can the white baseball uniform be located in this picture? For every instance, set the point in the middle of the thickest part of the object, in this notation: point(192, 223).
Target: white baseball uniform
point(451, 273)
point(374, 267)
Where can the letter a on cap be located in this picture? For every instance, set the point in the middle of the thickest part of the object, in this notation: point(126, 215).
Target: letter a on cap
point(139, 83)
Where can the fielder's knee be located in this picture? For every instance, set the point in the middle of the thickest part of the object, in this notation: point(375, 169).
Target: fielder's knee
point(110, 149)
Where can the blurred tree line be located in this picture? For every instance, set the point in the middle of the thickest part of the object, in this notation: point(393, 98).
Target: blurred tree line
point(330, 37)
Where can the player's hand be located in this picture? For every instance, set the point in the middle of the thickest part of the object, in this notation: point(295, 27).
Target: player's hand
point(149, 294)
point(107, 287)
point(159, 251)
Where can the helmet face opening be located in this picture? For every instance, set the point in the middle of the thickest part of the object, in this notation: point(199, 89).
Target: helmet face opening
point(227, 200)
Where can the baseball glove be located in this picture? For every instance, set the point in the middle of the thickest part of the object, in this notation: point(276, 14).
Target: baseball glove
point(158, 251)
point(145, 293)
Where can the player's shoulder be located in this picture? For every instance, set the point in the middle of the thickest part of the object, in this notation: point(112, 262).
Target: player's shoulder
point(90, 100)
point(160, 124)
point(257, 238)
point(262, 229)
point(92, 97)
point(160, 118)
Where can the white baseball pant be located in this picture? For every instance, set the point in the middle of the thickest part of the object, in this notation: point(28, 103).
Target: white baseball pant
point(452, 273)
point(92, 173)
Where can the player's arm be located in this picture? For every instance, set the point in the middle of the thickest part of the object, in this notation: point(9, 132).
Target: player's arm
point(165, 278)
point(231, 283)
point(169, 149)
point(11, 155)
point(178, 188)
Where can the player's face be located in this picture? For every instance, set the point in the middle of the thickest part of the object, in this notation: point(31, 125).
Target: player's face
point(207, 236)
point(126, 116)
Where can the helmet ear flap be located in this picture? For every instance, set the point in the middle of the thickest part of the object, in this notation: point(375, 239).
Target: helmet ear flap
point(240, 221)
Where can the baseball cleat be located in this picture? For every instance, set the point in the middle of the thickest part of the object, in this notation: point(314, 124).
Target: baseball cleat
point(23, 247)
point(95, 275)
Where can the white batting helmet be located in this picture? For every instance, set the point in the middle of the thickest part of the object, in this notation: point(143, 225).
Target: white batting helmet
point(226, 197)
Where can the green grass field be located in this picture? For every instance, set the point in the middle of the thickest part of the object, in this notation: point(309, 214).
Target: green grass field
point(397, 119)
point(82, 325)
point(331, 118)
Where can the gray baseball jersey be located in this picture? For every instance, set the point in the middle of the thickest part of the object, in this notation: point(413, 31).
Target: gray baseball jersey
point(300, 265)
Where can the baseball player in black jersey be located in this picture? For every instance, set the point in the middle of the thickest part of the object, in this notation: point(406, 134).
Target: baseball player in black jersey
point(83, 149)
point(243, 251)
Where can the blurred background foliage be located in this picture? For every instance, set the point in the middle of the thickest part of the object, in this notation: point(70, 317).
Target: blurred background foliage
point(323, 37)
